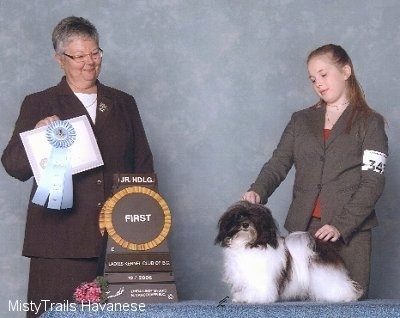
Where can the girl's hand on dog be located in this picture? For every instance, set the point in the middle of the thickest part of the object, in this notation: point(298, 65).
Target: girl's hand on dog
point(252, 197)
point(328, 233)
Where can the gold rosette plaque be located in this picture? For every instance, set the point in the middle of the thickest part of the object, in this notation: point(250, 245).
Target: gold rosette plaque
point(137, 218)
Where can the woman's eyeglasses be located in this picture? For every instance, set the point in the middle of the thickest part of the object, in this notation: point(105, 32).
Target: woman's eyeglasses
point(95, 55)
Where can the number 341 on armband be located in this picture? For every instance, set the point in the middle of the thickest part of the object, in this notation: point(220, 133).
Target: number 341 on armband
point(374, 161)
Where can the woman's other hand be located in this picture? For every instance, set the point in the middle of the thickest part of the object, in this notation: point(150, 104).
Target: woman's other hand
point(47, 121)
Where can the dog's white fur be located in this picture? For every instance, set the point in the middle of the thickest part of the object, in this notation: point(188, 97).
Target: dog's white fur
point(291, 270)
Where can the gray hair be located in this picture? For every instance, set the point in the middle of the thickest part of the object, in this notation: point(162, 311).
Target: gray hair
point(72, 27)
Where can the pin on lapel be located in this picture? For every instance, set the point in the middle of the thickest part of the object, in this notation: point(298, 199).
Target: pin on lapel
point(103, 107)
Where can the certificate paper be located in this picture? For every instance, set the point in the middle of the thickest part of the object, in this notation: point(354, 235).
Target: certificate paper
point(84, 152)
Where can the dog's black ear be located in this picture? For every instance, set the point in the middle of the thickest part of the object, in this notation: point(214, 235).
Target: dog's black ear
point(219, 240)
point(227, 224)
point(223, 227)
point(266, 228)
point(268, 237)
point(220, 237)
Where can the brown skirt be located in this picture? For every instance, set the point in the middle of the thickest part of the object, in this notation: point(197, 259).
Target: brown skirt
point(55, 280)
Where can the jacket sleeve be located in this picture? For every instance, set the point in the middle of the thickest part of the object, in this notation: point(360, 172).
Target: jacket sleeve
point(278, 166)
point(14, 158)
point(362, 203)
point(141, 153)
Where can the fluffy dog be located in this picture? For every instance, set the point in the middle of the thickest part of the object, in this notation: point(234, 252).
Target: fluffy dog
point(260, 266)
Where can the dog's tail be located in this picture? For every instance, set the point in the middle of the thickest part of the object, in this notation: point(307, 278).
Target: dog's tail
point(300, 246)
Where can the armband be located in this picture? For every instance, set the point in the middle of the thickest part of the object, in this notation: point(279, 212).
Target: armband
point(374, 161)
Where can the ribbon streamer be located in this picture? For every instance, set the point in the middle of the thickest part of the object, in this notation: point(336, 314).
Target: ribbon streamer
point(56, 181)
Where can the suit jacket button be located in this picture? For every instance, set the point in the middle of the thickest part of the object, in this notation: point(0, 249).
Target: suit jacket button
point(319, 186)
point(322, 158)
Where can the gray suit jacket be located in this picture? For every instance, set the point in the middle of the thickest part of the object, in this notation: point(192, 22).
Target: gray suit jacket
point(330, 170)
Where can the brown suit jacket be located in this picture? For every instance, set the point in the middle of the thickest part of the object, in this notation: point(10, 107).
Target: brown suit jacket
point(74, 233)
point(330, 170)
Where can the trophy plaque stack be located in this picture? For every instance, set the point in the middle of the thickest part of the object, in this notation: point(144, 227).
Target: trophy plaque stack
point(137, 261)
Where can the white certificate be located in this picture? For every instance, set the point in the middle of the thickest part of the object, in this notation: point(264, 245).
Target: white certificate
point(84, 153)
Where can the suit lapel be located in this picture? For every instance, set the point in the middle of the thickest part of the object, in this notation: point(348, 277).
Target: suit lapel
point(71, 106)
point(105, 104)
point(316, 122)
point(339, 127)
point(68, 105)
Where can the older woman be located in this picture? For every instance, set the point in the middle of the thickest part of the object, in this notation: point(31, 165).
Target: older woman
point(64, 246)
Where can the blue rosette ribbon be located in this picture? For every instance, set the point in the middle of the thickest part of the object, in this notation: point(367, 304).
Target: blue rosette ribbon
point(55, 183)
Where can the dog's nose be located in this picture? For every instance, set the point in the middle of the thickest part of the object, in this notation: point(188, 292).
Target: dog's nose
point(245, 225)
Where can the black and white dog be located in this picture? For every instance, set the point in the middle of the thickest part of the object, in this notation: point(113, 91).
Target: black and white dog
point(260, 266)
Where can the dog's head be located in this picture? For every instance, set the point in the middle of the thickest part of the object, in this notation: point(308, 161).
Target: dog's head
point(251, 224)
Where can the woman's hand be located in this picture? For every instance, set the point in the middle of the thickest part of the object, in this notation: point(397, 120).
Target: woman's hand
point(252, 197)
point(47, 121)
point(328, 233)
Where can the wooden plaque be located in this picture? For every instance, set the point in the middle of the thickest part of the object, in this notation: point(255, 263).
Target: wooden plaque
point(137, 263)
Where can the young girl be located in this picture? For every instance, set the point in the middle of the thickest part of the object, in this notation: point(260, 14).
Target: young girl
point(339, 149)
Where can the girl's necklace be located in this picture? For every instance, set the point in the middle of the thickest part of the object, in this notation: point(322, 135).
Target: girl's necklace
point(333, 115)
point(340, 106)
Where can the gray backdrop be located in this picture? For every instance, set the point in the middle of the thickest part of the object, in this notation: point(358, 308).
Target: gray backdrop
point(215, 82)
